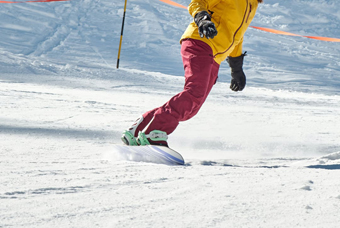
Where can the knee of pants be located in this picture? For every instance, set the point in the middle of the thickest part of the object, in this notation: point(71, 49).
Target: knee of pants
point(196, 100)
point(196, 90)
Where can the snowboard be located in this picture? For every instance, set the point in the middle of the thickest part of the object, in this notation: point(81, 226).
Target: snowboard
point(149, 153)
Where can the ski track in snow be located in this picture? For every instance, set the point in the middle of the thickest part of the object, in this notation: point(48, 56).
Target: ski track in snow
point(266, 157)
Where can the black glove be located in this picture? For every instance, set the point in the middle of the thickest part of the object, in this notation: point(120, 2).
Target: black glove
point(205, 26)
point(238, 81)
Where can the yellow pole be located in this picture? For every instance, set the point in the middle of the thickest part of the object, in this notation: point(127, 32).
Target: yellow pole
point(121, 35)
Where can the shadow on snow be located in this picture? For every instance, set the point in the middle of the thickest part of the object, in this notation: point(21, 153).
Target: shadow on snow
point(56, 132)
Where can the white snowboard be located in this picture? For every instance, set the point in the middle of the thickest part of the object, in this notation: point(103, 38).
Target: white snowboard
point(154, 154)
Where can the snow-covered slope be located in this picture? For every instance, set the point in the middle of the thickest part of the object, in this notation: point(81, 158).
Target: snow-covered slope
point(68, 35)
point(265, 157)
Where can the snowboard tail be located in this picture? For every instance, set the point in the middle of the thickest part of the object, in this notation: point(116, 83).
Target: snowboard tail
point(150, 153)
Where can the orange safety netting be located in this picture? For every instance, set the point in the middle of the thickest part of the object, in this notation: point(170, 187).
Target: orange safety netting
point(292, 34)
point(35, 1)
point(173, 3)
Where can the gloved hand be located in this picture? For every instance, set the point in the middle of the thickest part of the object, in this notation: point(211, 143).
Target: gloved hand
point(205, 26)
point(238, 81)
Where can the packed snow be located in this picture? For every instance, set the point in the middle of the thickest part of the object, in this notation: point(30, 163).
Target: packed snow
point(268, 156)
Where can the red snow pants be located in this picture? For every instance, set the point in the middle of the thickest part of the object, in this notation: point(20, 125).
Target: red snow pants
point(200, 75)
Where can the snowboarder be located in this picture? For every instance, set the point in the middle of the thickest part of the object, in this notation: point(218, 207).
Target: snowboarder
point(215, 34)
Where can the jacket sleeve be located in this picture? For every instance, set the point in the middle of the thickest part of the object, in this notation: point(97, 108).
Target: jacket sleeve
point(237, 50)
point(201, 5)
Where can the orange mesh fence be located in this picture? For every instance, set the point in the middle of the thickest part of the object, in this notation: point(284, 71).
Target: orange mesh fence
point(35, 1)
point(173, 3)
point(292, 34)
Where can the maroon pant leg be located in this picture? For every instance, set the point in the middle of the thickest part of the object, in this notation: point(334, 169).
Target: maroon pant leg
point(200, 75)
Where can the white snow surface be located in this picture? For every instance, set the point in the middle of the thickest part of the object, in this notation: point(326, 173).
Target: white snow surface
point(265, 157)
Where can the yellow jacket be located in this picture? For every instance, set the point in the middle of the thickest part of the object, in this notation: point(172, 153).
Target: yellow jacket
point(231, 18)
